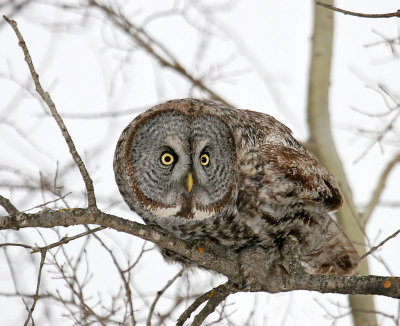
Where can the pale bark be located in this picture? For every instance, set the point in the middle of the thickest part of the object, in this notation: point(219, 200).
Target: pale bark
point(322, 143)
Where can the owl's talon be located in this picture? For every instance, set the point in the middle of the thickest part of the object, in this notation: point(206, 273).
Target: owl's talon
point(247, 279)
point(252, 267)
point(245, 272)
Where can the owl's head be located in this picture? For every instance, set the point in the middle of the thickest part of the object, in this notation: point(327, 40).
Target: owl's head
point(177, 159)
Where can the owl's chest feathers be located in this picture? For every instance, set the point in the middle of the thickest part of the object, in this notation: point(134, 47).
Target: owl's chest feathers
point(237, 226)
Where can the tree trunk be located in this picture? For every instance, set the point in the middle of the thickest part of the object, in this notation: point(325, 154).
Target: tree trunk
point(322, 143)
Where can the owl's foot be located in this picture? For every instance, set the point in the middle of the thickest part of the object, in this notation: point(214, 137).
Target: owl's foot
point(291, 256)
point(253, 264)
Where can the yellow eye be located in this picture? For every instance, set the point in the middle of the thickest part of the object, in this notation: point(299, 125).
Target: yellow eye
point(167, 159)
point(204, 159)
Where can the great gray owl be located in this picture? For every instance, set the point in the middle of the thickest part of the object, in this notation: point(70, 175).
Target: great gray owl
point(199, 169)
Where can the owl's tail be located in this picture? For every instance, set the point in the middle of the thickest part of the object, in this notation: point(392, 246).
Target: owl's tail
point(329, 251)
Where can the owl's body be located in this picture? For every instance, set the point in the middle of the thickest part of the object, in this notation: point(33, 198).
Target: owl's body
point(199, 169)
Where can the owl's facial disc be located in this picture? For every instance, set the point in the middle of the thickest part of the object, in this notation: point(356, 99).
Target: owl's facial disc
point(182, 165)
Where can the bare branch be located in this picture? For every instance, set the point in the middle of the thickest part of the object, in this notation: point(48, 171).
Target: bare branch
point(65, 240)
point(212, 257)
point(215, 297)
point(154, 48)
point(379, 188)
point(160, 293)
point(380, 137)
point(10, 208)
point(48, 202)
point(36, 296)
point(197, 303)
point(134, 264)
point(106, 114)
point(47, 99)
point(357, 14)
point(11, 244)
point(78, 216)
point(125, 280)
point(380, 244)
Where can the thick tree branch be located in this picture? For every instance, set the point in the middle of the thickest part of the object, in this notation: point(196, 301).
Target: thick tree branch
point(358, 14)
point(213, 256)
point(47, 99)
point(207, 257)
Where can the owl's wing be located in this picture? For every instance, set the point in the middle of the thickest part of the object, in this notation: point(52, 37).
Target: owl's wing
point(287, 173)
point(294, 194)
point(287, 165)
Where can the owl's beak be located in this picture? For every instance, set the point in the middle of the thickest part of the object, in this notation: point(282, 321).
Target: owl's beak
point(189, 181)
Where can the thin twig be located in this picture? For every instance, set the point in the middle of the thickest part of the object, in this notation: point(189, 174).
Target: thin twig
point(380, 244)
point(47, 99)
point(160, 293)
point(134, 264)
point(124, 279)
point(77, 285)
point(67, 239)
point(48, 202)
point(379, 188)
point(106, 114)
point(36, 296)
point(12, 244)
point(357, 14)
point(154, 48)
point(380, 137)
point(14, 278)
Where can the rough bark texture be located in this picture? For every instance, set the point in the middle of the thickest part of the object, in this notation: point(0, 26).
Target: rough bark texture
point(212, 256)
point(322, 143)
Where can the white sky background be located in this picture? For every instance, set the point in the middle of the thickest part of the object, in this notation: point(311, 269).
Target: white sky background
point(88, 70)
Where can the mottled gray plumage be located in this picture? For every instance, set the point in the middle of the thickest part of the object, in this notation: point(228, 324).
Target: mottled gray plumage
point(253, 183)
